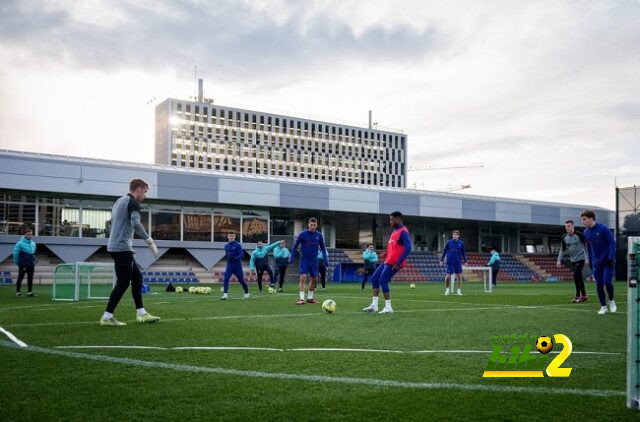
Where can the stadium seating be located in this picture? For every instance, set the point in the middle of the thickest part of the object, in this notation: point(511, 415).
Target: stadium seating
point(547, 263)
point(5, 277)
point(169, 277)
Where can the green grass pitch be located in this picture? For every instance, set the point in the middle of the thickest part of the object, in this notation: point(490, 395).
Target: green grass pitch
point(425, 362)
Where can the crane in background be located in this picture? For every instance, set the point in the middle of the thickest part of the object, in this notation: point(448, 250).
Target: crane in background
point(437, 167)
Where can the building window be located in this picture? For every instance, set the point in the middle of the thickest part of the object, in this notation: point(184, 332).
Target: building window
point(255, 226)
point(224, 222)
point(17, 212)
point(196, 226)
point(58, 217)
point(96, 219)
point(165, 224)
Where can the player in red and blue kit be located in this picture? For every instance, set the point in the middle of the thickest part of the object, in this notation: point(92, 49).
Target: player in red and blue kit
point(456, 257)
point(311, 242)
point(601, 248)
point(398, 249)
point(234, 266)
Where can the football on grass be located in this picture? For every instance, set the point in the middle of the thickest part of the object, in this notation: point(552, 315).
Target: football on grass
point(329, 306)
point(544, 344)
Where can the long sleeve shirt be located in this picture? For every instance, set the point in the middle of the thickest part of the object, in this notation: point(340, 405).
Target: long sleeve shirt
point(495, 257)
point(24, 252)
point(234, 252)
point(260, 257)
point(575, 244)
point(601, 245)
point(454, 251)
point(309, 243)
point(125, 220)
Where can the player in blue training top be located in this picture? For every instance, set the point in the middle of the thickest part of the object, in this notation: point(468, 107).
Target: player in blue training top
point(310, 242)
point(601, 249)
point(456, 257)
point(234, 266)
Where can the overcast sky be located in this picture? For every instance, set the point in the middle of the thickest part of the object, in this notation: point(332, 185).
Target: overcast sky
point(545, 94)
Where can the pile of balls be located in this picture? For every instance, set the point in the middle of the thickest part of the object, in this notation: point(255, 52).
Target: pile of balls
point(195, 290)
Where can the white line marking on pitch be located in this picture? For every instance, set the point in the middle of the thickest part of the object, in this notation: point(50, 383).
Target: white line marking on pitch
point(13, 338)
point(305, 349)
point(324, 378)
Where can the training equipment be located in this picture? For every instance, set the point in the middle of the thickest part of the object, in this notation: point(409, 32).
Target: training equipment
point(271, 290)
point(192, 290)
point(179, 289)
point(412, 285)
point(329, 306)
point(544, 344)
point(91, 280)
point(472, 274)
point(633, 323)
point(145, 288)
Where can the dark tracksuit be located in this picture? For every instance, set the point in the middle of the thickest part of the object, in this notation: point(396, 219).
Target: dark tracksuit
point(575, 244)
point(234, 265)
point(24, 254)
point(282, 262)
point(322, 269)
point(601, 247)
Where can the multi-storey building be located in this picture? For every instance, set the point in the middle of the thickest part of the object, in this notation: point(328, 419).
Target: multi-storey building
point(200, 134)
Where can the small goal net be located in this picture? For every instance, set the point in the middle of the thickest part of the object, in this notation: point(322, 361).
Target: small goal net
point(86, 280)
point(477, 274)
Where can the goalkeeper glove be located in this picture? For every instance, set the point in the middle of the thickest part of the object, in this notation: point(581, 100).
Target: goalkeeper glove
point(152, 247)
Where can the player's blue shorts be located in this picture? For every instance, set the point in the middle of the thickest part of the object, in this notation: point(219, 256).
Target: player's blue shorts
point(309, 267)
point(454, 267)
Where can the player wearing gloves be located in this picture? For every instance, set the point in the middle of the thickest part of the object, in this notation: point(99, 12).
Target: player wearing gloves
point(125, 220)
point(601, 251)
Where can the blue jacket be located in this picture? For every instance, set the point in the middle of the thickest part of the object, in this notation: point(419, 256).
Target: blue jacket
point(495, 259)
point(310, 243)
point(370, 258)
point(321, 255)
point(260, 257)
point(454, 251)
point(601, 245)
point(24, 253)
point(282, 256)
point(234, 252)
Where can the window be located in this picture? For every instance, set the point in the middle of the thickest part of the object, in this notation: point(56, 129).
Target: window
point(196, 226)
point(96, 219)
point(58, 217)
point(17, 212)
point(225, 221)
point(255, 226)
point(165, 224)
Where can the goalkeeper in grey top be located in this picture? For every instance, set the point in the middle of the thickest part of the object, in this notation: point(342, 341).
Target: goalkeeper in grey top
point(125, 220)
point(574, 243)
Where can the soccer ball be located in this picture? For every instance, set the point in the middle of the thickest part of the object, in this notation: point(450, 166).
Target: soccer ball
point(207, 290)
point(412, 285)
point(192, 290)
point(271, 290)
point(179, 289)
point(329, 306)
point(544, 344)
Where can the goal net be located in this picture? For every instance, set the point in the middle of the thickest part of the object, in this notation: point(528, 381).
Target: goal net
point(87, 280)
point(633, 324)
point(477, 274)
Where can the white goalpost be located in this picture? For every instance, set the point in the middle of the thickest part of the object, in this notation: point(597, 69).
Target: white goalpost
point(486, 272)
point(89, 280)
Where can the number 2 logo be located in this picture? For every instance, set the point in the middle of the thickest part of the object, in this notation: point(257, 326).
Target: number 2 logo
point(554, 370)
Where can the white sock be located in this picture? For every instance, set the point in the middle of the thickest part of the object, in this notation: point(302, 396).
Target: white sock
point(107, 315)
point(301, 295)
point(140, 311)
point(310, 295)
point(374, 301)
point(387, 303)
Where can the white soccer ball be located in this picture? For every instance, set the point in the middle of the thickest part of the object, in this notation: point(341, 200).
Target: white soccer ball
point(329, 306)
point(271, 290)
point(192, 290)
point(207, 290)
point(412, 285)
point(179, 289)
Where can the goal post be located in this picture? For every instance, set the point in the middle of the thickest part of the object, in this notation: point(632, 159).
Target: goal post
point(88, 280)
point(633, 324)
point(477, 274)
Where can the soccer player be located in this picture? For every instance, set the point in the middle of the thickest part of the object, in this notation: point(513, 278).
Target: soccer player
point(24, 255)
point(282, 255)
point(494, 263)
point(370, 258)
point(322, 270)
point(601, 250)
point(456, 257)
point(259, 263)
point(234, 253)
point(310, 242)
point(398, 249)
point(125, 220)
point(574, 243)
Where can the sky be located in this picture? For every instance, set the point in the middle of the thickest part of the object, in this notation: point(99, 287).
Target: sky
point(545, 94)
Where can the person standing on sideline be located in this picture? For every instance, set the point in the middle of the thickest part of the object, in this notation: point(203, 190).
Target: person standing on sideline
point(310, 242)
point(24, 255)
point(281, 255)
point(234, 253)
point(322, 269)
point(125, 220)
point(601, 250)
point(574, 243)
point(494, 263)
point(370, 258)
point(398, 249)
point(456, 258)
point(259, 263)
